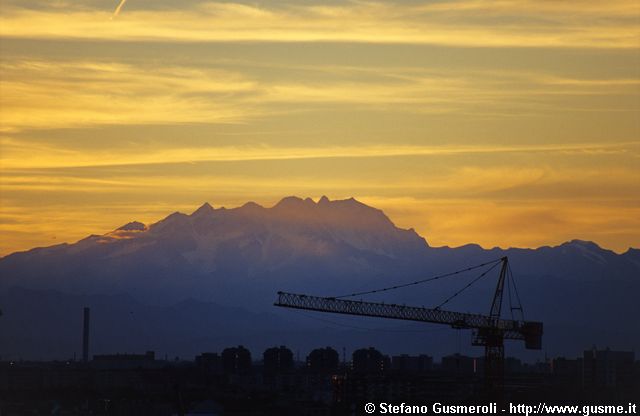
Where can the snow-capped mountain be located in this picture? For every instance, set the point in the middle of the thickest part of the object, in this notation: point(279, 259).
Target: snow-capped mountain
point(214, 248)
point(240, 257)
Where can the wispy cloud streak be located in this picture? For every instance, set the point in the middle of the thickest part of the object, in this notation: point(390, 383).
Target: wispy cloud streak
point(355, 22)
point(19, 155)
point(117, 11)
point(66, 94)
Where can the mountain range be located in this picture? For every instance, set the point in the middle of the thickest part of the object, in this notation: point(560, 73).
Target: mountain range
point(200, 281)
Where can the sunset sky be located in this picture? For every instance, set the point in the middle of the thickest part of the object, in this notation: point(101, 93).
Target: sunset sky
point(504, 123)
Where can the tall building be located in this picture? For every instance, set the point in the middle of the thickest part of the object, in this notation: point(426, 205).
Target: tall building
point(369, 360)
point(278, 360)
point(606, 368)
point(236, 360)
point(323, 360)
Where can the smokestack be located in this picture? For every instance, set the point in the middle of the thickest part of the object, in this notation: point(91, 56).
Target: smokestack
point(85, 336)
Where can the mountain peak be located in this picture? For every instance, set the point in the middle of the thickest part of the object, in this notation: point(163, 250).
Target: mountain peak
point(133, 226)
point(351, 202)
point(324, 200)
point(204, 209)
point(293, 202)
point(582, 244)
point(251, 205)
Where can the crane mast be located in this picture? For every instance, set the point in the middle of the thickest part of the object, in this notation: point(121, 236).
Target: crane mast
point(490, 330)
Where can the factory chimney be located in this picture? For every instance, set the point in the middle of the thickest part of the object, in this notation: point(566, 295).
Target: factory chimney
point(85, 336)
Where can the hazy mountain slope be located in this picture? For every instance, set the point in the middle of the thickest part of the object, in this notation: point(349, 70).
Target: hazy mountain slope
point(241, 257)
point(214, 253)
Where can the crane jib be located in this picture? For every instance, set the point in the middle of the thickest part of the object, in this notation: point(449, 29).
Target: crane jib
point(530, 332)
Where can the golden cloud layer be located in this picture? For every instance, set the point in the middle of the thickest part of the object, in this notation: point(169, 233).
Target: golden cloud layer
point(38, 94)
point(46, 94)
point(19, 154)
point(580, 24)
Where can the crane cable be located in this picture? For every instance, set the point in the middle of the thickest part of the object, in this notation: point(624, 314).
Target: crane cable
point(467, 286)
point(508, 280)
point(517, 295)
point(417, 282)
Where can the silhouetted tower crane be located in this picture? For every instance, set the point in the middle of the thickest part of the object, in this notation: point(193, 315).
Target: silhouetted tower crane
point(490, 330)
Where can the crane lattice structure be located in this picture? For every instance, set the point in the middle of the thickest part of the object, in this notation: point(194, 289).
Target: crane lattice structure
point(490, 330)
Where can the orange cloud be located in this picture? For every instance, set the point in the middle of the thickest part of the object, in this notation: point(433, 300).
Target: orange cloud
point(581, 25)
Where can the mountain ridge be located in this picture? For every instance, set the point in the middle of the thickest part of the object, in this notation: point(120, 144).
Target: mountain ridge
point(240, 257)
point(293, 203)
point(292, 232)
